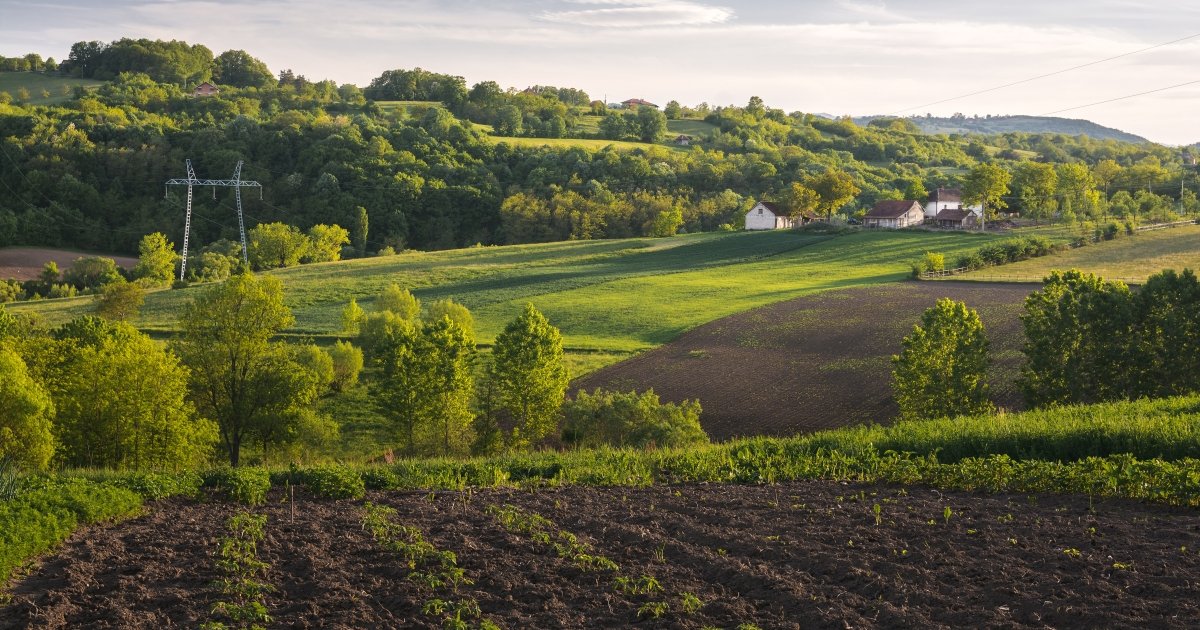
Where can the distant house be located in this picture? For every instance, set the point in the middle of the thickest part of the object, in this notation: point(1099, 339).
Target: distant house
point(768, 216)
point(683, 140)
point(948, 199)
point(635, 103)
point(956, 218)
point(894, 214)
point(206, 89)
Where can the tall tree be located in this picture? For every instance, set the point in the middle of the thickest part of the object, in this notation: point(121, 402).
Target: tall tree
point(1167, 312)
point(26, 414)
point(529, 377)
point(1036, 184)
point(1078, 329)
point(156, 260)
point(941, 370)
point(835, 187)
point(239, 376)
point(986, 184)
point(361, 225)
point(239, 69)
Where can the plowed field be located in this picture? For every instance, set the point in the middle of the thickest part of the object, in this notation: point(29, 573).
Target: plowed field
point(816, 362)
point(25, 263)
point(798, 555)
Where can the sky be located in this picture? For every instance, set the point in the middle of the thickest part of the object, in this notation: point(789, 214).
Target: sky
point(856, 57)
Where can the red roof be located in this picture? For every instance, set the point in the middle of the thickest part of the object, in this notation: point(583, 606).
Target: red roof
point(891, 209)
point(638, 101)
point(953, 214)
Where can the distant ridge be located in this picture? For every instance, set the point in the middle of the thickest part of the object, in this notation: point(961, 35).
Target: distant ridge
point(1022, 124)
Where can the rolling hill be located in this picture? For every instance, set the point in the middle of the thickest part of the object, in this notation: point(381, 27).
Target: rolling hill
point(1022, 124)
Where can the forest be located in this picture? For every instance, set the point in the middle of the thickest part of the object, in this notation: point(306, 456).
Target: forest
point(87, 172)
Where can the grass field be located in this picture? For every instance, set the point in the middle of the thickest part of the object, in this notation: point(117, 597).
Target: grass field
point(1132, 259)
point(587, 143)
point(59, 87)
point(609, 296)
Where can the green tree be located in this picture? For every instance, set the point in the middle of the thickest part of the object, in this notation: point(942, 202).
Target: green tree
point(240, 378)
point(347, 365)
point(652, 124)
point(941, 369)
point(801, 199)
point(361, 225)
point(667, 222)
point(123, 404)
point(26, 416)
point(915, 189)
point(272, 245)
point(528, 376)
point(509, 121)
point(239, 69)
point(986, 184)
point(325, 243)
point(613, 126)
point(156, 260)
point(1167, 341)
point(1036, 184)
point(1105, 172)
point(49, 275)
point(457, 313)
point(604, 418)
point(352, 316)
point(91, 272)
point(120, 300)
point(400, 301)
point(451, 355)
point(1076, 185)
point(673, 110)
point(1078, 332)
point(834, 187)
point(319, 364)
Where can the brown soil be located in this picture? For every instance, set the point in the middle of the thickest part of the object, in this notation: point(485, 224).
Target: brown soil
point(25, 263)
point(816, 362)
point(787, 556)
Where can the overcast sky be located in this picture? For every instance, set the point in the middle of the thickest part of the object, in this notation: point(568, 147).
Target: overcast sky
point(833, 56)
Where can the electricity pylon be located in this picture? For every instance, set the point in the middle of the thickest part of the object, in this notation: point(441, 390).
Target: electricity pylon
point(237, 183)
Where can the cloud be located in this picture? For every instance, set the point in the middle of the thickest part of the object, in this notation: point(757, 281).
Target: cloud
point(641, 14)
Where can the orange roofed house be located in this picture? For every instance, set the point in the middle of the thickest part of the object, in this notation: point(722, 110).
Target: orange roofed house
point(206, 89)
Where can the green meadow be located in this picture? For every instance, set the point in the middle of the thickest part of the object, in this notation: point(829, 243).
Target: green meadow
point(612, 296)
point(60, 88)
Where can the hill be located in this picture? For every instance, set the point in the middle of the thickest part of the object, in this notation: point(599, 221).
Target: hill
point(1022, 124)
point(59, 88)
point(616, 296)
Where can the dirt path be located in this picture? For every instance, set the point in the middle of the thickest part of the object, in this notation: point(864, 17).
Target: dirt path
point(816, 362)
point(787, 556)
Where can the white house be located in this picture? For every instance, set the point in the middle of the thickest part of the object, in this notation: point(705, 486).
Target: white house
point(767, 216)
point(948, 199)
point(894, 214)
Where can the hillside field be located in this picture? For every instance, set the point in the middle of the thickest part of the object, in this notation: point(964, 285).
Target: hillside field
point(1131, 259)
point(612, 296)
point(25, 263)
point(59, 87)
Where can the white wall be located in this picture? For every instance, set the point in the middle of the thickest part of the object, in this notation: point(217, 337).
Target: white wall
point(760, 218)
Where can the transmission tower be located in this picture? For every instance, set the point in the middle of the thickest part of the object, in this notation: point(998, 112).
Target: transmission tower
point(237, 183)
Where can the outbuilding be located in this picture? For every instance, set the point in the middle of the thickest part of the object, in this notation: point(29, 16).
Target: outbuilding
point(894, 214)
point(768, 216)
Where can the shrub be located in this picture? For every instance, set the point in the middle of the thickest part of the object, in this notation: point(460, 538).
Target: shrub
point(154, 486)
point(631, 419)
point(244, 485)
point(331, 482)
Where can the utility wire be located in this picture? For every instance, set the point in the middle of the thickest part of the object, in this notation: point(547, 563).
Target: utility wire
point(1121, 98)
point(1043, 76)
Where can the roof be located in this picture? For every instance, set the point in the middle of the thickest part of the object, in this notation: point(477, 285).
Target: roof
point(683, 136)
point(953, 214)
point(773, 207)
point(891, 209)
point(638, 101)
point(206, 83)
point(943, 195)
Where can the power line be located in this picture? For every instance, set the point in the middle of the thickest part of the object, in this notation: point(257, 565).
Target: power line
point(1043, 76)
point(1121, 98)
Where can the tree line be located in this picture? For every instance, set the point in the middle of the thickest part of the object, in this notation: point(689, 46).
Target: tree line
point(96, 392)
point(1087, 340)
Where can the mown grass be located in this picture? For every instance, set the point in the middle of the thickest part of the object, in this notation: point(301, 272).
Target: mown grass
point(35, 82)
point(1132, 258)
point(613, 297)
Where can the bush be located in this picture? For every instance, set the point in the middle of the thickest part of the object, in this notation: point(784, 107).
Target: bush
point(331, 482)
point(41, 518)
point(244, 485)
point(605, 418)
point(970, 261)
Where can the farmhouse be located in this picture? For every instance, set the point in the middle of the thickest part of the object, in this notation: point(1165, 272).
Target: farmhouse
point(683, 140)
point(894, 214)
point(948, 199)
point(206, 89)
point(635, 103)
point(768, 216)
point(956, 218)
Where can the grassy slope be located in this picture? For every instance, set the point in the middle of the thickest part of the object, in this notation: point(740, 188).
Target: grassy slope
point(586, 143)
point(616, 296)
point(1132, 259)
point(35, 82)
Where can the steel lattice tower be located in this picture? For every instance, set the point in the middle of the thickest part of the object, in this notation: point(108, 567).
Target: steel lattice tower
point(236, 182)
